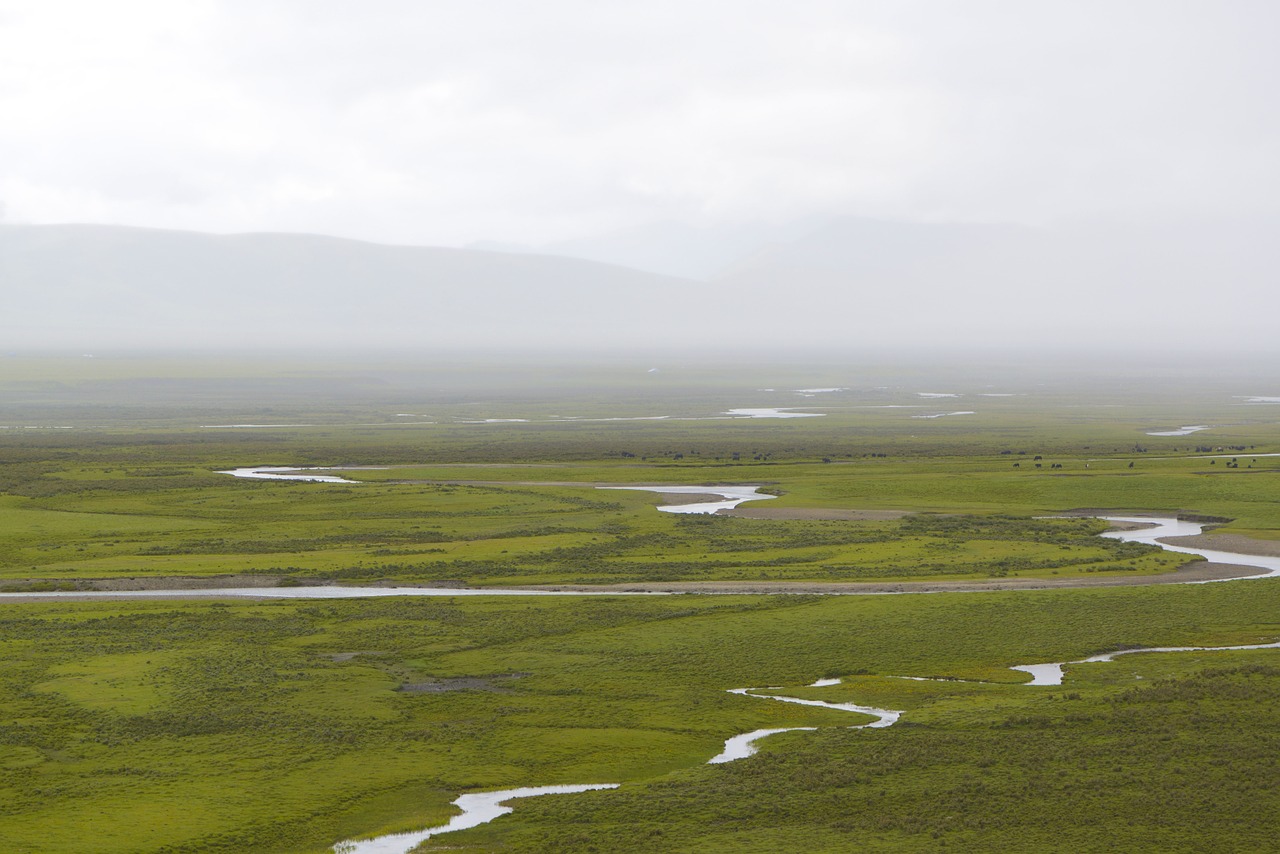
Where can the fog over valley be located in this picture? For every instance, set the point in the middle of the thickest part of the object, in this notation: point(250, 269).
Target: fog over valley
point(841, 283)
point(585, 426)
point(915, 174)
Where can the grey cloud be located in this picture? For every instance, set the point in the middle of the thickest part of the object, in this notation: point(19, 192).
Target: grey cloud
point(837, 284)
point(523, 122)
point(1129, 146)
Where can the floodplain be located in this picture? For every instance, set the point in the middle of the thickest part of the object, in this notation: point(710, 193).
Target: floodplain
point(294, 725)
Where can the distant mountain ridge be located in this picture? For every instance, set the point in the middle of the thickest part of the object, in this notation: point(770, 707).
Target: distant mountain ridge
point(836, 282)
point(1083, 284)
point(670, 248)
point(113, 285)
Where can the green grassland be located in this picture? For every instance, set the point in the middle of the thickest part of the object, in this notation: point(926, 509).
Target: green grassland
point(527, 534)
point(286, 726)
point(157, 727)
point(467, 502)
point(86, 519)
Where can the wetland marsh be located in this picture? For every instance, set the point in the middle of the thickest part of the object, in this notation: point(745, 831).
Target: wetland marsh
point(286, 725)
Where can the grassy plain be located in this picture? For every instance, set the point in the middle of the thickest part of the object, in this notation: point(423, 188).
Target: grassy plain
point(286, 726)
point(156, 726)
point(139, 496)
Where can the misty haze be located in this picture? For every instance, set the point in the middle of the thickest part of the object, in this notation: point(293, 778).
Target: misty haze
point(584, 427)
point(836, 283)
point(895, 174)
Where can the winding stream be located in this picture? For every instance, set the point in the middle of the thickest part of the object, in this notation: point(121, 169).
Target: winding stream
point(1051, 674)
point(488, 804)
point(480, 807)
point(286, 473)
point(1162, 528)
point(732, 495)
point(742, 746)
point(477, 808)
point(1159, 528)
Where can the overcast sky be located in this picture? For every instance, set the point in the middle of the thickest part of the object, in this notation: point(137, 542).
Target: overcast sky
point(447, 122)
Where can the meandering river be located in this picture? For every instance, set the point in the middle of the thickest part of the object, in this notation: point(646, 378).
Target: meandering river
point(1051, 674)
point(732, 496)
point(1162, 528)
point(742, 746)
point(1159, 528)
point(481, 807)
point(745, 745)
point(477, 808)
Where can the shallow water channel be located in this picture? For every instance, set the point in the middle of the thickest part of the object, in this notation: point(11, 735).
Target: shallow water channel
point(481, 807)
point(1162, 528)
point(731, 496)
point(745, 745)
point(1052, 674)
point(477, 808)
point(742, 746)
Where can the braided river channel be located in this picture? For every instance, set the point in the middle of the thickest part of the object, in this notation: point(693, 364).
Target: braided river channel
point(480, 807)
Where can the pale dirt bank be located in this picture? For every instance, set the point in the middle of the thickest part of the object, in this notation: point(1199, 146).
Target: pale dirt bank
point(1228, 543)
